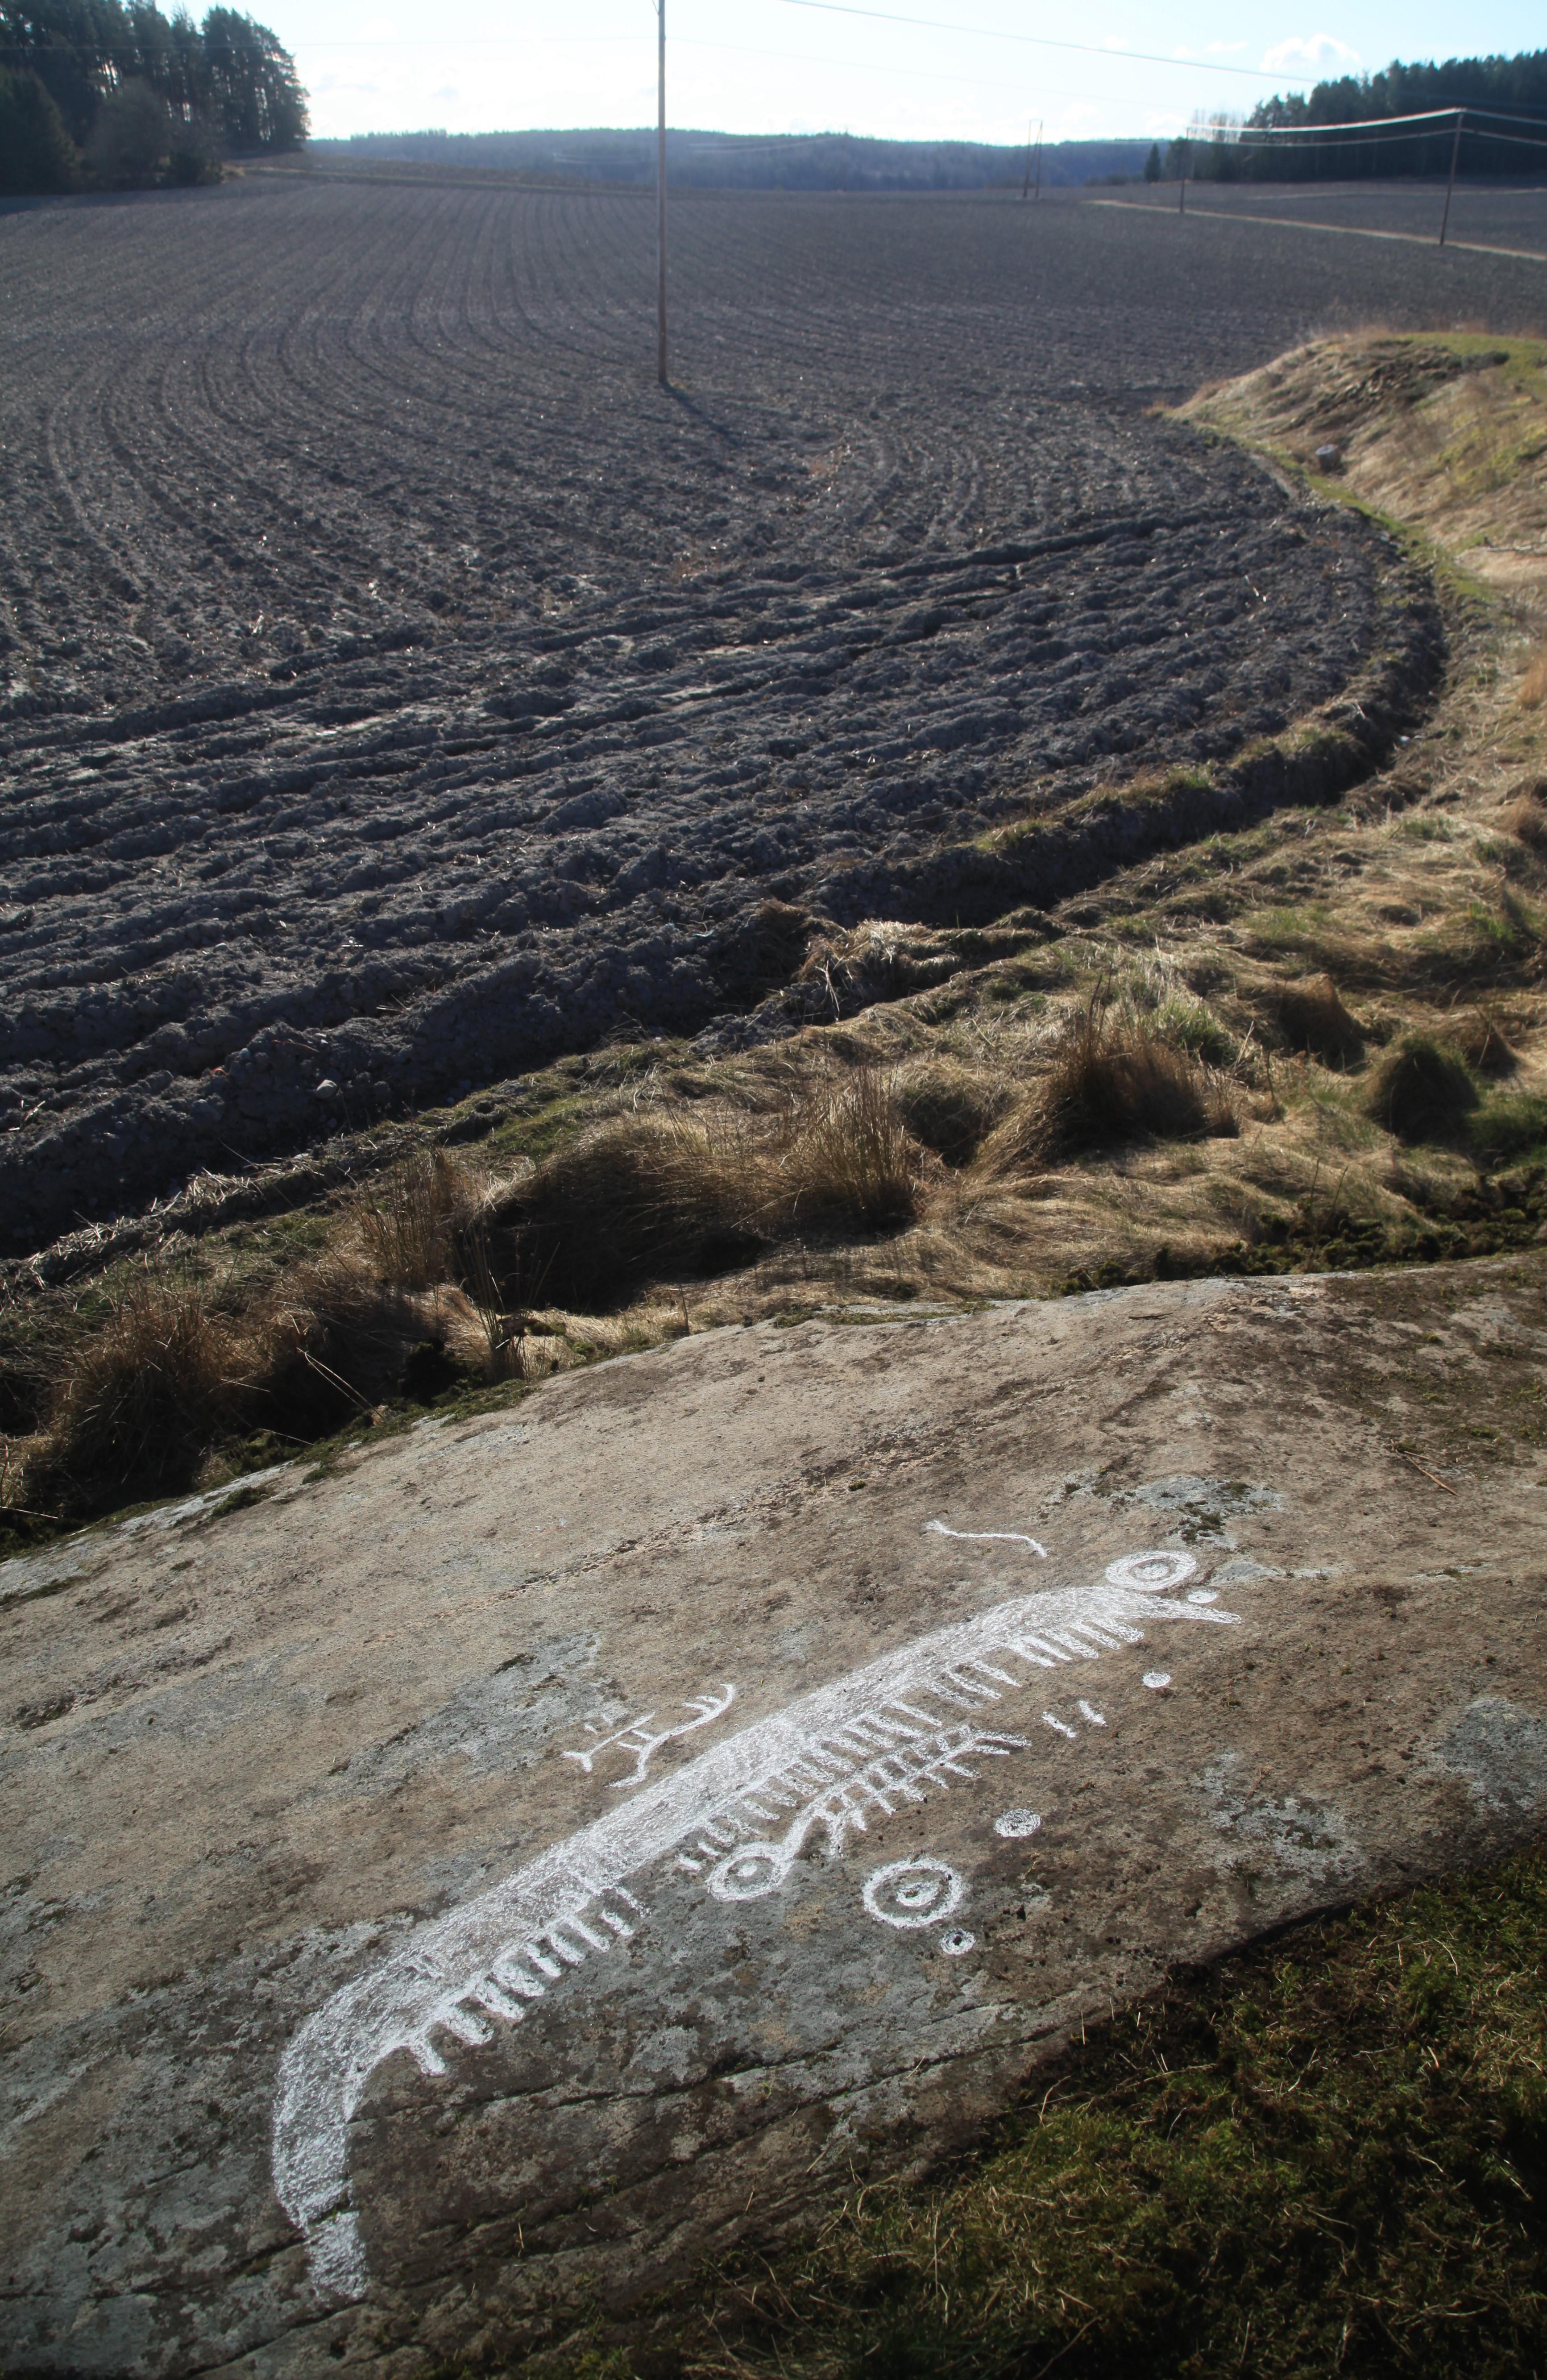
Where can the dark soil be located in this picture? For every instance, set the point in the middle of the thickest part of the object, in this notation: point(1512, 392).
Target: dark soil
point(1492, 214)
point(402, 688)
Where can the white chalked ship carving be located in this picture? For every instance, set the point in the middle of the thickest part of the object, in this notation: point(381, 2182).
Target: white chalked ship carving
point(827, 1766)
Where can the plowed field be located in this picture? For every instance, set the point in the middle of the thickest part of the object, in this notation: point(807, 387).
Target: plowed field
point(402, 688)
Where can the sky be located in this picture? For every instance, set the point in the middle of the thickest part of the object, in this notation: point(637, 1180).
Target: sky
point(984, 71)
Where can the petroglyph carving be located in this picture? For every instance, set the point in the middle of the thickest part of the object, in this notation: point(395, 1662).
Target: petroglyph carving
point(636, 1737)
point(924, 1757)
point(913, 1892)
point(830, 1764)
point(1155, 1573)
point(985, 1537)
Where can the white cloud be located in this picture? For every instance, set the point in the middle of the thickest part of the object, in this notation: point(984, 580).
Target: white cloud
point(1311, 54)
point(336, 86)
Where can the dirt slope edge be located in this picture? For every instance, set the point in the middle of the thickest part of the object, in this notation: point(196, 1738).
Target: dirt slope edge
point(1323, 755)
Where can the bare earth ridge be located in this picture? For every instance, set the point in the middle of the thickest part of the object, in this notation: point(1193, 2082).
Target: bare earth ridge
point(500, 1871)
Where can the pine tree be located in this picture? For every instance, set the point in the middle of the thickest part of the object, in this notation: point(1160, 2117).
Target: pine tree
point(229, 82)
point(250, 86)
point(36, 153)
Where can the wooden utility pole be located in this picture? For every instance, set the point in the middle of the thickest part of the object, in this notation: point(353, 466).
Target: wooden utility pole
point(1039, 157)
point(661, 197)
point(1450, 186)
point(1034, 150)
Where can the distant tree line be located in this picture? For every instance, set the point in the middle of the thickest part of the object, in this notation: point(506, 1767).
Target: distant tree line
point(1513, 91)
point(100, 93)
point(721, 161)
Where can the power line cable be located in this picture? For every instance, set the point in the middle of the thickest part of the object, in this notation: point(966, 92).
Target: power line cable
point(1257, 139)
point(1359, 124)
point(1515, 140)
point(1379, 123)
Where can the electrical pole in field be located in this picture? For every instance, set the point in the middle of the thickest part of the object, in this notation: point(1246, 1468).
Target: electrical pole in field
point(1026, 182)
point(661, 197)
point(1450, 186)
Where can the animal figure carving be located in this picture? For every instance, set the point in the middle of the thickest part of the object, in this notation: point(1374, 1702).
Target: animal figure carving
point(831, 1764)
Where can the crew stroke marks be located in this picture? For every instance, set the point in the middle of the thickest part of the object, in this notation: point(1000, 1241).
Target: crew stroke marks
point(826, 1767)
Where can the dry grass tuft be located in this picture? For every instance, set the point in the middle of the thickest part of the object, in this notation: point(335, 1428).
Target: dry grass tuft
point(949, 1109)
point(847, 1158)
point(341, 1341)
point(1112, 1081)
point(1525, 818)
point(141, 1397)
point(1485, 1048)
point(406, 1228)
point(655, 1196)
point(1532, 693)
point(638, 1196)
point(1421, 1090)
point(1312, 1017)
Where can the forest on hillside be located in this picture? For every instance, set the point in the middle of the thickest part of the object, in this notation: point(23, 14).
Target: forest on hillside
point(733, 161)
point(100, 94)
point(1303, 138)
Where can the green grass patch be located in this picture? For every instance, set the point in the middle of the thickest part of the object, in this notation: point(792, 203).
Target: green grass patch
point(1195, 1028)
point(1485, 940)
point(1154, 789)
point(1525, 356)
point(1485, 1217)
point(1303, 929)
point(551, 1113)
point(1506, 1131)
point(1327, 2155)
point(1425, 828)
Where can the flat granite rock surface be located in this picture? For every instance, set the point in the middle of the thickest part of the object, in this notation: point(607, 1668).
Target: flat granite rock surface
point(502, 1868)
